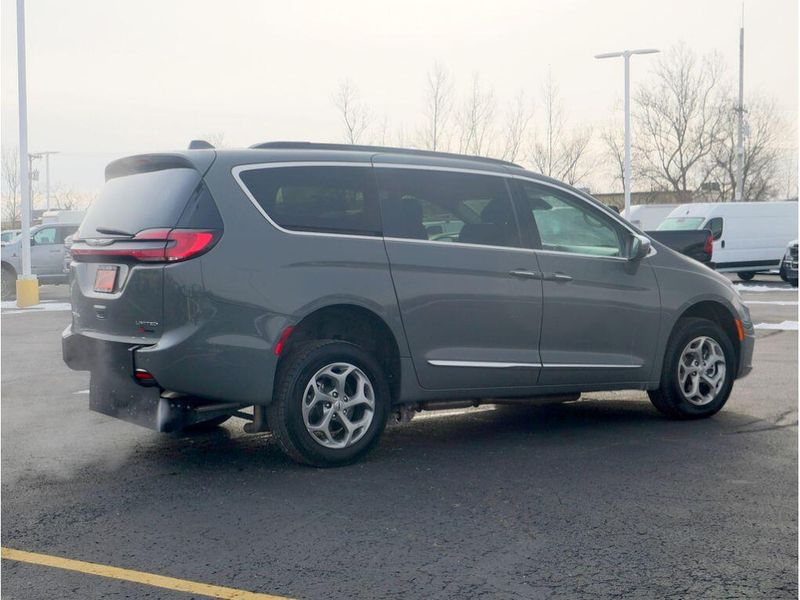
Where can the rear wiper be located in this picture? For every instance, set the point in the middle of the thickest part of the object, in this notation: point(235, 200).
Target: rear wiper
point(112, 231)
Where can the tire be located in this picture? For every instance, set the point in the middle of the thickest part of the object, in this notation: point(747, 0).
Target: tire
point(205, 426)
point(783, 276)
point(312, 369)
point(8, 283)
point(669, 398)
point(746, 276)
point(792, 282)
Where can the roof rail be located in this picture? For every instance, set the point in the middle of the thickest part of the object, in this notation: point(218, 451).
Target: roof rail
point(387, 149)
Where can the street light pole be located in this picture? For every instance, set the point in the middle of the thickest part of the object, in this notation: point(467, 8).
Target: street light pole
point(27, 286)
point(739, 192)
point(47, 179)
point(626, 175)
point(24, 162)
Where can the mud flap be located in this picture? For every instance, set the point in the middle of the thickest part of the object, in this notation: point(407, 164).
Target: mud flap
point(122, 398)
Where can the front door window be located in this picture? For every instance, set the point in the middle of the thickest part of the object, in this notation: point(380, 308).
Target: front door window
point(565, 224)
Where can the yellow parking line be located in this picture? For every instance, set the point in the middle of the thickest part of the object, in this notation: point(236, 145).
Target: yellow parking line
point(170, 583)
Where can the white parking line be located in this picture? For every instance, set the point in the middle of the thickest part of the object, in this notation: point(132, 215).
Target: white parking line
point(783, 326)
point(9, 307)
point(80, 392)
point(763, 288)
point(775, 302)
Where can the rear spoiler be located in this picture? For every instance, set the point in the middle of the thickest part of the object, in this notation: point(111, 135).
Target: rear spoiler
point(147, 163)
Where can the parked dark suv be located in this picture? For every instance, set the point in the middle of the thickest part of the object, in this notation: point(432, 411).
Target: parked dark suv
point(316, 284)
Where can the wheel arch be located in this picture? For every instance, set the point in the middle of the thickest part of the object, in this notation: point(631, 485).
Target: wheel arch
point(7, 265)
point(719, 313)
point(358, 325)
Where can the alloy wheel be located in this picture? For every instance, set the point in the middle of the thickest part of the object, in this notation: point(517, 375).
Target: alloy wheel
point(701, 370)
point(338, 405)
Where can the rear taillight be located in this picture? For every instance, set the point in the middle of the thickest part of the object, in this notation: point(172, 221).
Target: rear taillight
point(188, 243)
point(153, 245)
point(708, 248)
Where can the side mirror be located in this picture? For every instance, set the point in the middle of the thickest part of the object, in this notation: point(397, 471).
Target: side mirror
point(640, 247)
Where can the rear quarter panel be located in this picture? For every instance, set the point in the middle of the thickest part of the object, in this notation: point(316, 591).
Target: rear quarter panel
point(259, 279)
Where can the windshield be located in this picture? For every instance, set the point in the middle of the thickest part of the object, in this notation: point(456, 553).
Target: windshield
point(679, 223)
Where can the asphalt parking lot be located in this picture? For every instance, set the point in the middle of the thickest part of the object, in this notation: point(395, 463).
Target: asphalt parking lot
point(598, 498)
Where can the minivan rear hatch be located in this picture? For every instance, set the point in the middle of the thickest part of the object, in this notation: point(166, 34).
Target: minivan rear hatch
point(154, 210)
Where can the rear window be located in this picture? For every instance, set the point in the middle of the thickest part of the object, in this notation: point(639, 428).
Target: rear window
point(141, 201)
point(326, 199)
point(680, 223)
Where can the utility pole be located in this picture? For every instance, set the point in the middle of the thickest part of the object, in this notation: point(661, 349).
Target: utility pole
point(740, 120)
point(626, 177)
point(46, 154)
point(27, 284)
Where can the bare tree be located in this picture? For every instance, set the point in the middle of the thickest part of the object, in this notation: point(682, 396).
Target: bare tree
point(679, 118)
point(574, 152)
point(383, 135)
point(788, 173)
point(613, 142)
point(11, 185)
point(438, 105)
point(614, 150)
point(476, 121)
point(402, 136)
point(518, 119)
point(216, 139)
point(355, 115)
point(556, 151)
point(67, 199)
point(761, 152)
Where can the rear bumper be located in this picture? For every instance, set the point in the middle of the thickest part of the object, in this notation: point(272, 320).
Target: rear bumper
point(114, 392)
point(182, 361)
point(82, 353)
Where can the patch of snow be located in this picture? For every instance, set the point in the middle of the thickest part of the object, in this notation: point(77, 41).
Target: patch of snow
point(743, 287)
point(9, 307)
point(783, 326)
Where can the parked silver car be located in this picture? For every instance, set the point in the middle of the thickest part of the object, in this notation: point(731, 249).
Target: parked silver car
point(8, 235)
point(47, 256)
point(313, 283)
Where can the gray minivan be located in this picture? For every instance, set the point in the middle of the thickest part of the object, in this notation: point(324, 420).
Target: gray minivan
point(312, 282)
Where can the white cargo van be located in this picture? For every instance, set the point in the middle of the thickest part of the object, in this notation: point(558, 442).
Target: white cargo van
point(648, 217)
point(749, 237)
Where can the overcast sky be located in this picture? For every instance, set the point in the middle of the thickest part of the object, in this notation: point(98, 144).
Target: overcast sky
point(108, 78)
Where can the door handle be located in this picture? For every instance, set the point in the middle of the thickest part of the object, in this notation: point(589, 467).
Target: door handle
point(525, 274)
point(722, 243)
point(558, 277)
